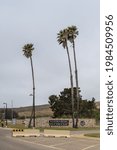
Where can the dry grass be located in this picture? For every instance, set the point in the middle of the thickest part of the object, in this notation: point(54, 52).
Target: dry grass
point(41, 111)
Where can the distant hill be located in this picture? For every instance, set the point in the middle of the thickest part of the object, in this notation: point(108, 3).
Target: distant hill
point(41, 111)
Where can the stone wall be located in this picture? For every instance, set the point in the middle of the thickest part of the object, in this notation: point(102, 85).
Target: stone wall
point(44, 122)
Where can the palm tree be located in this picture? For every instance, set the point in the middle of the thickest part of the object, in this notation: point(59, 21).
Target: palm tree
point(62, 39)
point(27, 50)
point(72, 34)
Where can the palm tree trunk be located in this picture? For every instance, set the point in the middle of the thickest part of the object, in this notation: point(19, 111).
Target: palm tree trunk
point(29, 125)
point(33, 110)
point(77, 88)
point(72, 91)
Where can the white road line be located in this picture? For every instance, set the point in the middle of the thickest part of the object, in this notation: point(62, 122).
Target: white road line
point(63, 143)
point(89, 147)
point(52, 147)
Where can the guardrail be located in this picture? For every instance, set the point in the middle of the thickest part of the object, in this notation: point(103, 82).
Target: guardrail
point(56, 133)
point(25, 132)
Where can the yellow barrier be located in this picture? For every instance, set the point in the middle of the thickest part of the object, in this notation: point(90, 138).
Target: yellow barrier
point(57, 133)
point(25, 132)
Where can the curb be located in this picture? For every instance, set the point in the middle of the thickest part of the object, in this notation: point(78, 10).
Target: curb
point(82, 136)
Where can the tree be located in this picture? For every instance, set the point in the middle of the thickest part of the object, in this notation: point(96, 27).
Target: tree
point(56, 104)
point(9, 114)
point(72, 34)
point(62, 38)
point(61, 105)
point(27, 50)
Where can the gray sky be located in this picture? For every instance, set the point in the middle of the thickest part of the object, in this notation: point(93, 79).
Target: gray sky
point(38, 22)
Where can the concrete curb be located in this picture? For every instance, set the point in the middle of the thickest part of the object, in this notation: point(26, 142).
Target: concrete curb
point(82, 136)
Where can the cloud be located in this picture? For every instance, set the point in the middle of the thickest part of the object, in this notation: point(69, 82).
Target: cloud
point(38, 22)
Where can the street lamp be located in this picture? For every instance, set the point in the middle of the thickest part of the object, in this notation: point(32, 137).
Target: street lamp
point(6, 113)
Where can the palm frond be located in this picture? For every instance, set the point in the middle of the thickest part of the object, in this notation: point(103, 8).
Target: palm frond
point(72, 33)
point(62, 37)
point(27, 50)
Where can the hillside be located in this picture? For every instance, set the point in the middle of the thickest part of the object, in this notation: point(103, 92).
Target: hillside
point(41, 110)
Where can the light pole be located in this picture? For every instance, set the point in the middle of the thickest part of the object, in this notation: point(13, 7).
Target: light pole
point(6, 113)
point(12, 116)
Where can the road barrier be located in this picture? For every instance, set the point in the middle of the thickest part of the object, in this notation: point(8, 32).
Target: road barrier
point(56, 133)
point(18, 132)
point(25, 132)
point(32, 132)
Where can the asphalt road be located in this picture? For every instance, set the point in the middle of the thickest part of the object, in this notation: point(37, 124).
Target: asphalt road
point(7, 142)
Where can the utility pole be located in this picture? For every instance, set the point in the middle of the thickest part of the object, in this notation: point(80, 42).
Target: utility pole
point(5, 113)
point(12, 110)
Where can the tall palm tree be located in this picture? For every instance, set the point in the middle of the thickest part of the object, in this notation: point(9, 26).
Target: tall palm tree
point(62, 39)
point(72, 34)
point(27, 50)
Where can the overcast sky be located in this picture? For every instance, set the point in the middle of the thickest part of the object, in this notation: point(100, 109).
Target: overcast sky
point(38, 22)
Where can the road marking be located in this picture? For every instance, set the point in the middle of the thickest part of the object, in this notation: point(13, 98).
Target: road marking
point(82, 140)
point(89, 147)
point(63, 143)
point(52, 147)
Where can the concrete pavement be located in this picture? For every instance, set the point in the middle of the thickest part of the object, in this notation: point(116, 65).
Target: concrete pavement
point(76, 142)
point(64, 143)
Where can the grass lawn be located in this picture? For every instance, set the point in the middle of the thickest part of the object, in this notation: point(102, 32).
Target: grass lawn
point(18, 126)
point(71, 129)
point(96, 135)
point(22, 126)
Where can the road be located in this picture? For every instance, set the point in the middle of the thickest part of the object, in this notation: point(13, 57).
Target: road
point(7, 142)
